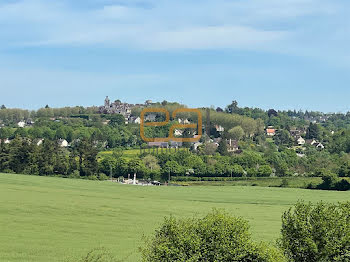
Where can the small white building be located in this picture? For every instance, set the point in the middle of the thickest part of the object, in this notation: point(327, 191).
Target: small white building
point(183, 121)
point(40, 141)
point(319, 146)
point(219, 128)
point(63, 143)
point(301, 141)
point(137, 120)
point(178, 132)
point(21, 124)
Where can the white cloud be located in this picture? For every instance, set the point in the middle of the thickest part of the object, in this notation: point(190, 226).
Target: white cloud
point(304, 27)
point(122, 26)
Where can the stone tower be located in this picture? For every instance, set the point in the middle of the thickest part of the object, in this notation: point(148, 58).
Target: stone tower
point(107, 102)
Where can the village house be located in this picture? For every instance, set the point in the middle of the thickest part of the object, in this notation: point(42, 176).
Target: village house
point(178, 132)
point(183, 121)
point(135, 120)
point(30, 122)
point(39, 142)
point(63, 143)
point(232, 145)
point(319, 145)
point(315, 143)
point(301, 141)
point(297, 132)
point(5, 141)
point(311, 141)
point(270, 132)
point(219, 128)
point(21, 124)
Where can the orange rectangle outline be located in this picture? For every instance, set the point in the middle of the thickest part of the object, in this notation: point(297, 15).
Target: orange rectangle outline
point(172, 128)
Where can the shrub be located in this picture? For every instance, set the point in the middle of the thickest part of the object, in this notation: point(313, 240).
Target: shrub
point(75, 174)
point(332, 182)
point(318, 232)
point(264, 171)
point(216, 237)
point(102, 177)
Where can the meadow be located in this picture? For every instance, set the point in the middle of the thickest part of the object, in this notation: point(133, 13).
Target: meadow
point(54, 219)
point(132, 153)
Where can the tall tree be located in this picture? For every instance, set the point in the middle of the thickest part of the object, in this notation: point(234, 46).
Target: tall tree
point(87, 154)
point(236, 133)
point(222, 148)
point(313, 131)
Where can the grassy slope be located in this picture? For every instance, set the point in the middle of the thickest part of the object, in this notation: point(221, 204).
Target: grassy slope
point(294, 182)
point(48, 219)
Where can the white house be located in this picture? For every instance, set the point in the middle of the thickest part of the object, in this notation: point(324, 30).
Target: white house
point(40, 141)
point(178, 132)
point(183, 121)
point(196, 145)
point(219, 128)
point(21, 124)
point(319, 146)
point(301, 141)
point(63, 143)
point(137, 120)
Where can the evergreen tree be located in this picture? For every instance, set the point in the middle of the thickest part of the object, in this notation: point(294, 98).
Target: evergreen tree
point(222, 149)
point(87, 154)
point(313, 131)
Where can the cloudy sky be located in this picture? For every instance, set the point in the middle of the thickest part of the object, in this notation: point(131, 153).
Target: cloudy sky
point(290, 54)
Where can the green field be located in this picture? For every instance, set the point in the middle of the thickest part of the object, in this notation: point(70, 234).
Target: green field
point(132, 153)
point(127, 154)
point(51, 219)
point(293, 182)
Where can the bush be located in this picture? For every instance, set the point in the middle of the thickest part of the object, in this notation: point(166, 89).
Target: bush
point(75, 174)
point(332, 182)
point(264, 171)
point(318, 232)
point(216, 237)
point(102, 177)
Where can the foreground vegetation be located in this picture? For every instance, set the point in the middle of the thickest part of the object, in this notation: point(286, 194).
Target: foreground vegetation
point(310, 232)
point(47, 219)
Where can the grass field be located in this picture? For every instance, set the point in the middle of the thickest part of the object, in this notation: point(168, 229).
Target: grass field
point(293, 182)
point(132, 153)
point(45, 219)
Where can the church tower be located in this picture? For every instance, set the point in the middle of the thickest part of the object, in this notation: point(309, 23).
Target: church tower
point(107, 102)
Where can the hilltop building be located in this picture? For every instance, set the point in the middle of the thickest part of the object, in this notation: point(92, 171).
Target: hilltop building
point(117, 107)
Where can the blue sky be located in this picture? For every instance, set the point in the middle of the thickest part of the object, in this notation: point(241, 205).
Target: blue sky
point(290, 54)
